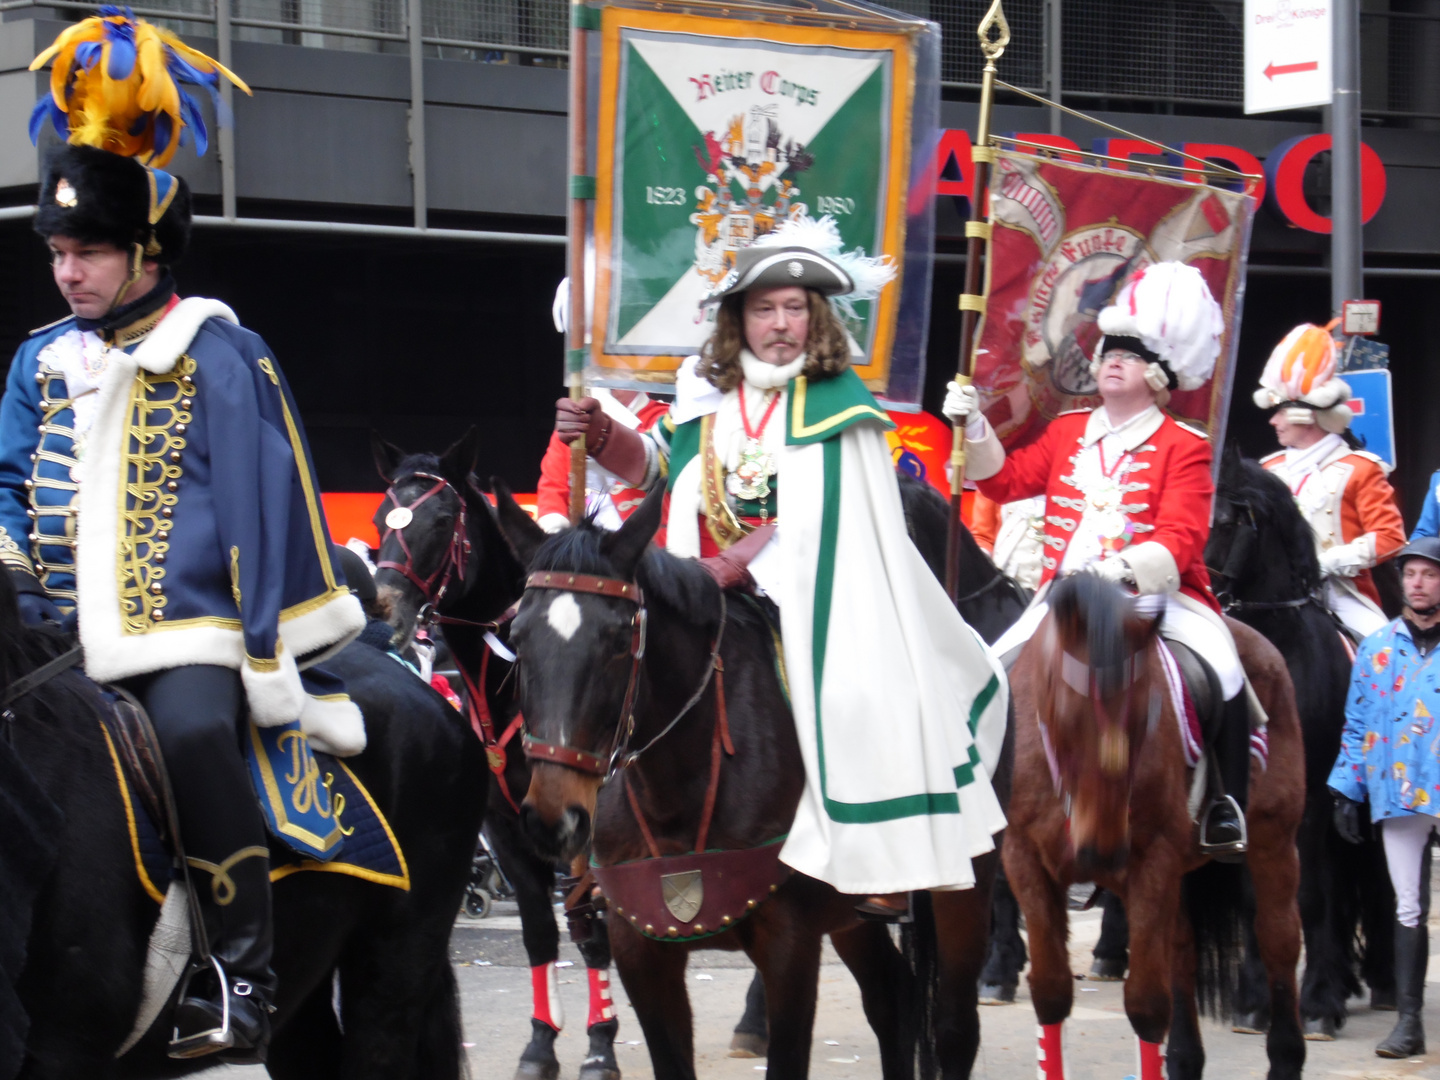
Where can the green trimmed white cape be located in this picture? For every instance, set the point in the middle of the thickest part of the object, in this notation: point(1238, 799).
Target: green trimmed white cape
point(899, 706)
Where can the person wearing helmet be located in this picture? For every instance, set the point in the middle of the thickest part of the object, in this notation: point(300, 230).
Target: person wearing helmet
point(1342, 491)
point(1128, 493)
point(1390, 758)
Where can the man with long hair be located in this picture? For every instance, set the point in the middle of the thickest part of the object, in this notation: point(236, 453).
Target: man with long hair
point(775, 455)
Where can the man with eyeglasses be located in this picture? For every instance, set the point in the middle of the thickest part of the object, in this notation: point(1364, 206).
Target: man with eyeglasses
point(1128, 492)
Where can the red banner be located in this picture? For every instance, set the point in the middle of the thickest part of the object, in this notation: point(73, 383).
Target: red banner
point(1065, 237)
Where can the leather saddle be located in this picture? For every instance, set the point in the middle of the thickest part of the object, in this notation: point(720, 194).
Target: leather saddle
point(1203, 686)
point(135, 745)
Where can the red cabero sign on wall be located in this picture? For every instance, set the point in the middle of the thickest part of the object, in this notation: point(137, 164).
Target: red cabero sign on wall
point(1282, 190)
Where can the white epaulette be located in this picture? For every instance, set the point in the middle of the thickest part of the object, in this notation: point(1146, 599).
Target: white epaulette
point(1272, 457)
point(1192, 430)
point(1072, 412)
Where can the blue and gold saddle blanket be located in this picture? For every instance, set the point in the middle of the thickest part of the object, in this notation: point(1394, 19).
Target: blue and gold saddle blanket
point(314, 805)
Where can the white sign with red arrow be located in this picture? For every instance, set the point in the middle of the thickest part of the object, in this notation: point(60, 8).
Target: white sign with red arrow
point(1287, 54)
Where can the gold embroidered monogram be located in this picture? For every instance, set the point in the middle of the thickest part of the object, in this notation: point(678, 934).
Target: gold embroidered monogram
point(158, 417)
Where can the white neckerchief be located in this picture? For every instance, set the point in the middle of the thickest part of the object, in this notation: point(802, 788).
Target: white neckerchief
point(1102, 415)
point(765, 376)
point(79, 356)
point(762, 384)
point(1299, 464)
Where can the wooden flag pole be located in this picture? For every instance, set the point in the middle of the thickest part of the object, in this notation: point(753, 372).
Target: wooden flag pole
point(582, 190)
point(972, 300)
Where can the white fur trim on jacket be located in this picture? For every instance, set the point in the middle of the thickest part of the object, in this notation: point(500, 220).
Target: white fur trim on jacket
point(1153, 566)
point(984, 457)
point(110, 652)
point(333, 725)
point(273, 694)
point(324, 631)
point(159, 351)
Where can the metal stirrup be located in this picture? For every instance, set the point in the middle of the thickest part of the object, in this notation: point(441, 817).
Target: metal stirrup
point(1234, 847)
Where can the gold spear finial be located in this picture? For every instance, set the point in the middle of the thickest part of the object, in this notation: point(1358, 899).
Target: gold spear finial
point(994, 20)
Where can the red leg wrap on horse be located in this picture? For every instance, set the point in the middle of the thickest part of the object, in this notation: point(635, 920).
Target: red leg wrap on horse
point(546, 991)
point(601, 1007)
point(1050, 1052)
point(1150, 1060)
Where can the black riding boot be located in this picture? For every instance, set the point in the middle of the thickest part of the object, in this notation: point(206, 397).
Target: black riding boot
point(1222, 823)
point(1412, 956)
point(198, 714)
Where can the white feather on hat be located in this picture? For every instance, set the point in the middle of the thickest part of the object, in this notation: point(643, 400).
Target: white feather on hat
point(1169, 308)
point(1302, 370)
point(822, 236)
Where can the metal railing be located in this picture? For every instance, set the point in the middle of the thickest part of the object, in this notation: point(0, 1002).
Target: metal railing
point(1168, 52)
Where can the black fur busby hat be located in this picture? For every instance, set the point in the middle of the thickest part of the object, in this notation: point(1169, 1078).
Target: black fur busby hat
point(93, 195)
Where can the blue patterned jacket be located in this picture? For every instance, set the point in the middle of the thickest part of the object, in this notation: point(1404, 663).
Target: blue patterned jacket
point(183, 524)
point(1390, 749)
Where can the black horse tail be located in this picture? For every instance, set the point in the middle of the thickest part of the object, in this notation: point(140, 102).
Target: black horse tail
point(921, 949)
point(1086, 602)
point(439, 1052)
point(1218, 900)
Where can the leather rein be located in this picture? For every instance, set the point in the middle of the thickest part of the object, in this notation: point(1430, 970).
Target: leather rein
point(621, 757)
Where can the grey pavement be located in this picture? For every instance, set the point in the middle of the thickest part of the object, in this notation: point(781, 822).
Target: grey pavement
point(494, 981)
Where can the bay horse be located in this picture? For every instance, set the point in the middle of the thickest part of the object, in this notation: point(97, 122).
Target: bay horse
point(701, 670)
point(1100, 795)
point(379, 952)
point(449, 563)
point(1265, 571)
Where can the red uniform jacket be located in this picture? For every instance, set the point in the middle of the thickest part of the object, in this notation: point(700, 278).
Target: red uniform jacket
point(1168, 492)
point(553, 494)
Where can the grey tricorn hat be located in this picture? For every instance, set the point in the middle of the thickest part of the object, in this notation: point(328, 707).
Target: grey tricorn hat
point(1422, 547)
point(760, 267)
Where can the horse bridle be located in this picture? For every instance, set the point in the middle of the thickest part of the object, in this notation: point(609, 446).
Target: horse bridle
point(457, 552)
point(620, 756)
point(1241, 545)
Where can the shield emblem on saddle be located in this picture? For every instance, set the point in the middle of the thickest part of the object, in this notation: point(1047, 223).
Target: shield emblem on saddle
point(683, 893)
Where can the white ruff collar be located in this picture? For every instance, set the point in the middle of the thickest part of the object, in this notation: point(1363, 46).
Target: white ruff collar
point(765, 376)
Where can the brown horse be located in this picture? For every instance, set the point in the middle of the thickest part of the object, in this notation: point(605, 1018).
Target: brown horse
point(622, 649)
point(1101, 795)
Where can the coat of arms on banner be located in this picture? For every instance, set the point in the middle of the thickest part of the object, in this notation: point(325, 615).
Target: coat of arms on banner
point(1065, 238)
point(710, 133)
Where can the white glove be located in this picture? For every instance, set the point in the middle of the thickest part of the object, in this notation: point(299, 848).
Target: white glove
point(961, 403)
point(1114, 570)
point(1342, 561)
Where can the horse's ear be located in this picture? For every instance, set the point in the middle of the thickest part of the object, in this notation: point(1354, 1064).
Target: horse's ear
point(627, 545)
point(518, 527)
point(459, 461)
point(387, 455)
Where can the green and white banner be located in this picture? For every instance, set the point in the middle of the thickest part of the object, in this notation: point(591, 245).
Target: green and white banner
point(709, 140)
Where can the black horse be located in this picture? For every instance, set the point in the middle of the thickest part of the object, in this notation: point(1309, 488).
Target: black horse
point(990, 601)
point(682, 797)
point(450, 558)
point(382, 953)
point(1262, 561)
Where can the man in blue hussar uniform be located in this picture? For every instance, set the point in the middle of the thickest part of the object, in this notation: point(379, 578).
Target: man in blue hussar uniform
point(1390, 758)
point(157, 497)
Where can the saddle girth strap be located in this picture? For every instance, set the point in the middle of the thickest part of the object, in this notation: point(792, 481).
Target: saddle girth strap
point(41, 675)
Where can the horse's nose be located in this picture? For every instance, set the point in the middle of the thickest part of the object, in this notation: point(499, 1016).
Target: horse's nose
point(561, 841)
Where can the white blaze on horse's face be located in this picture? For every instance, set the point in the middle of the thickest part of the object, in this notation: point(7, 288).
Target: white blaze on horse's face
point(564, 615)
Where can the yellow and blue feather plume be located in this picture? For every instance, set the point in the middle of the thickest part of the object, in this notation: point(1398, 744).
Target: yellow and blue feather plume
point(119, 84)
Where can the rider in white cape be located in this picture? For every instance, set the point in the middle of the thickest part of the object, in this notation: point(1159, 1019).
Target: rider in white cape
point(899, 707)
